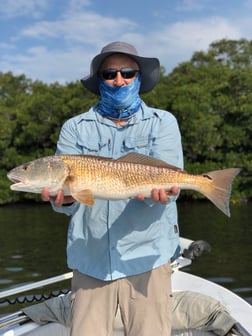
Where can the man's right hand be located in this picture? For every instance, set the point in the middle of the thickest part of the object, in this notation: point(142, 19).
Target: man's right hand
point(57, 200)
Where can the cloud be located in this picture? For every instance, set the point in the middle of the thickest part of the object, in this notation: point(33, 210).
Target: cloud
point(191, 5)
point(248, 4)
point(77, 5)
point(173, 44)
point(199, 34)
point(176, 43)
point(84, 28)
point(17, 8)
point(49, 66)
point(61, 49)
point(6, 46)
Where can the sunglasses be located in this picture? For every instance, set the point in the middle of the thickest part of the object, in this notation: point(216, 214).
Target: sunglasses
point(126, 73)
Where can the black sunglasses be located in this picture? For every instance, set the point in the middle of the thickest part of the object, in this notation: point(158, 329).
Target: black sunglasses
point(126, 73)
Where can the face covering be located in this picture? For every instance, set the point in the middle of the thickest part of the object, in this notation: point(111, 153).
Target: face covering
point(119, 102)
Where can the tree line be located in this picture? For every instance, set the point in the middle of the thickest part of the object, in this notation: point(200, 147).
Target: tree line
point(210, 95)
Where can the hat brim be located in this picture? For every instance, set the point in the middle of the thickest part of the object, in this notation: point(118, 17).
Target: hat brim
point(149, 69)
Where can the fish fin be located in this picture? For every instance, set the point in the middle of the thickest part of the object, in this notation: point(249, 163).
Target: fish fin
point(220, 192)
point(84, 196)
point(145, 160)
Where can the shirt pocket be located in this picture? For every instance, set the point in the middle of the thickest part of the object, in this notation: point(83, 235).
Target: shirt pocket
point(141, 144)
point(91, 146)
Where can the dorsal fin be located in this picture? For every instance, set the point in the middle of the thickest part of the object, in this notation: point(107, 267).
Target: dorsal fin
point(145, 160)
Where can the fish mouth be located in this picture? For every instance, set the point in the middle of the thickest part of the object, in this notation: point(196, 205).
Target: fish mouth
point(17, 185)
point(13, 178)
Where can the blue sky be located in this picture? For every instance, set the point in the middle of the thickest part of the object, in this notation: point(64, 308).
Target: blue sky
point(55, 40)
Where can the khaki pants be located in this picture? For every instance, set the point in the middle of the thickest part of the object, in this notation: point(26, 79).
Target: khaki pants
point(144, 301)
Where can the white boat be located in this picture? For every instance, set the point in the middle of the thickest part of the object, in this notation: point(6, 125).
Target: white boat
point(211, 309)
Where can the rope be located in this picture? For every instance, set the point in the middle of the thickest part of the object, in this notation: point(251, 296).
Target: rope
point(34, 298)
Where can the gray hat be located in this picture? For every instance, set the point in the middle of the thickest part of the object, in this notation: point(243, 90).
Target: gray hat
point(149, 67)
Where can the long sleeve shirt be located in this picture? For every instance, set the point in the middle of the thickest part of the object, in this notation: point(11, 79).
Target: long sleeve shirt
point(114, 239)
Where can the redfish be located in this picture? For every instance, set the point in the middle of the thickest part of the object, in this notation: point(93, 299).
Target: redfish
point(87, 177)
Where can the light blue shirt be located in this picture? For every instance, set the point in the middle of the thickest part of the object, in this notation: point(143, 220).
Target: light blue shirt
point(114, 239)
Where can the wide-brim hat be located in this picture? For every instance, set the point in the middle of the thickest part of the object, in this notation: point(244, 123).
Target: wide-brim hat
point(149, 67)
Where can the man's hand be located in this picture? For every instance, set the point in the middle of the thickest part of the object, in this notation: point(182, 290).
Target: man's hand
point(161, 195)
point(57, 200)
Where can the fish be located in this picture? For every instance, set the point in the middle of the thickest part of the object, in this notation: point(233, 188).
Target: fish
point(88, 177)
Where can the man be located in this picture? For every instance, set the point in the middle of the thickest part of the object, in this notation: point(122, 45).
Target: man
point(120, 251)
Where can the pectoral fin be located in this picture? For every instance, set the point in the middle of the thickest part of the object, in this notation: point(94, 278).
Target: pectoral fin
point(84, 196)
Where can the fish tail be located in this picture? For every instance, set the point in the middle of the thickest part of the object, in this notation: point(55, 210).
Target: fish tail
point(219, 193)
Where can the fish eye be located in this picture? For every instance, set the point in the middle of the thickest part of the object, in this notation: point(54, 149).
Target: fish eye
point(25, 167)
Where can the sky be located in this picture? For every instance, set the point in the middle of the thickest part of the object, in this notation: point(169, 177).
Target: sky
point(55, 40)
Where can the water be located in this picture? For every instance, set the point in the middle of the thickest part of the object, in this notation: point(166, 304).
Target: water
point(33, 240)
point(230, 261)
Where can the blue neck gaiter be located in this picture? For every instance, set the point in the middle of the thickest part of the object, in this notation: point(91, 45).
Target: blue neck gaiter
point(119, 102)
